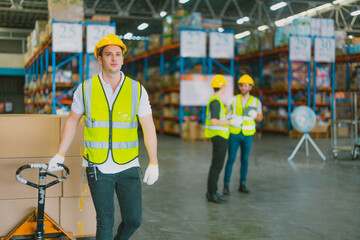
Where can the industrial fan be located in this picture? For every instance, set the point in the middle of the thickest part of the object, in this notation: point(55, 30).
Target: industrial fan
point(303, 119)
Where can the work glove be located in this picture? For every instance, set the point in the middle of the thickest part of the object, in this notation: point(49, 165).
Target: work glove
point(53, 163)
point(253, 114)
point(236, 122)
point(151, 174)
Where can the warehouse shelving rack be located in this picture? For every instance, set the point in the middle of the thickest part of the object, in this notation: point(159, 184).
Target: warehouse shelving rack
point(35, 68)
point(259, 58)
point(168, 60)
point(39, 65)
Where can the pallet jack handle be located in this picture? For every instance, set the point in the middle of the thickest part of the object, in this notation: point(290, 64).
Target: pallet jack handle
point(43, 168)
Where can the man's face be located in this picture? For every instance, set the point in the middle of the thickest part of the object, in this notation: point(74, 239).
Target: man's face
point(244, 88)
point(111, 59)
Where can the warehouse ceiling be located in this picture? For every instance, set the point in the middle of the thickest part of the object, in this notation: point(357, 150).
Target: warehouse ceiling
point(17, 17)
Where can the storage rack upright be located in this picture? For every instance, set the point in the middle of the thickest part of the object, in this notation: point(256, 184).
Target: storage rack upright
point(67, 57)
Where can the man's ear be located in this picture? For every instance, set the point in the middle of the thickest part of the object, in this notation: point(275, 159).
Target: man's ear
point(99, 60)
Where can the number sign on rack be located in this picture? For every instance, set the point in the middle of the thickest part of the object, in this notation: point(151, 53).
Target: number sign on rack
point(221, 45)
point(67, 37)
point(94, 32)
point(300, 48)
point(193, 43)
point(324, 50)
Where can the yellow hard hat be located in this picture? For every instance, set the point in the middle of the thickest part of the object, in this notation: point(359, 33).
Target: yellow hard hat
point(110, 39)
point(246, 79)
point(218, 81)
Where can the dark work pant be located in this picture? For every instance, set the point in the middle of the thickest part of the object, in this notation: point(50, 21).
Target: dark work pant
point(220, 146)
point(127, 185)
point(244, 142)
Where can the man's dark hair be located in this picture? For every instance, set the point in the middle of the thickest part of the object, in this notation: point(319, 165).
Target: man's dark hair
point(100, 51)
point(216, 89)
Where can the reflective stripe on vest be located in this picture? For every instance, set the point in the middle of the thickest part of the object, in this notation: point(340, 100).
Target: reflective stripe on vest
point(112, 129)
point(248, 127)
point(210, 130)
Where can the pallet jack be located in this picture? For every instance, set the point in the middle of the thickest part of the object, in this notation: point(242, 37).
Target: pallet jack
point(38, 225)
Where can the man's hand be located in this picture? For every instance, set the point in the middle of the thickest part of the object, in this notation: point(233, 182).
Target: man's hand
point(236, 122)
point(253, 114)
point(53, 163)
point(151, 174)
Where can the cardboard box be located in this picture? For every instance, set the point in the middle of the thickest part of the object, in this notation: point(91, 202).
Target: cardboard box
point(76, 184)
point(13, 211)
point(76, 148)
point(343, 131)
point(66, 10)
point(77, 215)
point(11, 188)
point(32, 135)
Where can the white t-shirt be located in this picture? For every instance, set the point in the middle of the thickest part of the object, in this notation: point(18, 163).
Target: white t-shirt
point(109, 166)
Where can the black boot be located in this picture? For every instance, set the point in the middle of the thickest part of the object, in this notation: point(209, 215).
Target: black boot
point(243, 188)
point(215, 198)
point(226, 190)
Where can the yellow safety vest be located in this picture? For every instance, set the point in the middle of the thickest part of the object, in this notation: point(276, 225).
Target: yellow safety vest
point(248, 127)
point(210, 130)
point(112, 130)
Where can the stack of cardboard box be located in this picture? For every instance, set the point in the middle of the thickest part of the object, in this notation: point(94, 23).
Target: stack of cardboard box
point(28, 139)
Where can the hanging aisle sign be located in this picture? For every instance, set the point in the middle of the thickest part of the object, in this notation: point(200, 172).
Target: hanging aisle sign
point(67, 37)
point(192, 43)
point(300, 48)
point(324, 50)
point(221, 45)
point(94, 32)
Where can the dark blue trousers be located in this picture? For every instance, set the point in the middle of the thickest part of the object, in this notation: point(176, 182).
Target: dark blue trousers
point(236, 141)
point(127, 186)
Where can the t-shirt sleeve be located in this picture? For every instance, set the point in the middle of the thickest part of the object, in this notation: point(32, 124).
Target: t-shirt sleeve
point(144, 105)
point(259, 106)
point(77, 105)
point(215, 109)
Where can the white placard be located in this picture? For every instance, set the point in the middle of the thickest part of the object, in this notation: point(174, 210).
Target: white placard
point(94, 32)
point(67, 37)
point(324, 50)
point(192, 43)
point(300, 49)
point(221, 45)
point(195, 89)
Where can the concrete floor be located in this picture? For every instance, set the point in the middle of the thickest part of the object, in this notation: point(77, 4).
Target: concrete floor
point(303, 199)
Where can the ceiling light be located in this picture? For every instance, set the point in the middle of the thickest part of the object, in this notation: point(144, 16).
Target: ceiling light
point(282, 22)
point(355, 13)
point(240, 21)
point(278, 6)
point(323, 7)
point(183, 1)
point(220, 29)
point(142, 26)
point(263, 27)
point(163, 14)
point(350, 36)
point(243, 34)
point(128, 36)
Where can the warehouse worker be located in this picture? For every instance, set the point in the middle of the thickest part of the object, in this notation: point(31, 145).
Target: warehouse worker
point(247, 108)
point(217, 128)
point(112, 104)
